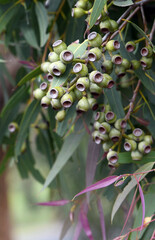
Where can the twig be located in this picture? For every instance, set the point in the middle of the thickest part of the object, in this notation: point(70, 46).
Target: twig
point(152, 31)
point(144, 19)
point(125, 14)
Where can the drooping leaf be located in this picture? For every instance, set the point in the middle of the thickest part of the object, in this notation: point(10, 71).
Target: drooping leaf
point(125, 157)
point(42, 18)
point(121, 196)
point(142, 203)
point(123, 3)
point(85, 224)
point(54, 203)
point(66, 226)
point(28, 118)
point(102, 220)
point(36, 72)
point(97, 9)
point(29, 35)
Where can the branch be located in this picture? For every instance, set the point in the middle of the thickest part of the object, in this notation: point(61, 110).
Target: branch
point(152, 31)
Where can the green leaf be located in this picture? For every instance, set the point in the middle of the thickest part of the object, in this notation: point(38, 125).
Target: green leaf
point(121, 196)
point(34, 73)
point(28, 118)
point(97, 9)
point(6, 158)
point(42, 18)
point(69, 146)
point(123, 3)
point(125, 157)
point(29, 35)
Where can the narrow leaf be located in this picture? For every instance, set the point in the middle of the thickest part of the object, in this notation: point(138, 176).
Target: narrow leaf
point(102, 221)
point(37, 71)
point(97, 9)
point(143, 204)
point(54, 203)
point(78, 49)
point(78, 229)
point(125, 157)
point(85, 224)
point(123, 3)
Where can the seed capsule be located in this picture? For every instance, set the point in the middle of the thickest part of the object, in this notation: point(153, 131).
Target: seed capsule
point(136, 155)
point(146, 63)
point(82, 84)
point(80, 69)
point(104, 128)
point(93, 103)
point(66, 100)
point(110, 117)
point(59, 46)
point(120, 71)
point(56, 92)
point(83, 104)
point(45, 102)
point(96, 137)
point(44, 86)
point(13, 127)
point(56, 104)
point(107, 66)
point(114, 135)
point(105, 26)
point(107, 145)
point(78, 94)
point(130, 145)
point(146, 51)
point(96, 76)
point(126, 64)
point(144, 147)
point(95, 39)
point(77, 12)
point(95, 89)
point(112, 45)
point(94, 54)
point(120, 124)
point(117, 59)
point(112, 157)
point(38, 94)
point(130, 46)
point(45, 66)
point(99, 117)
point(114, 25)
point(148, 139)
point(135, 64)
point(107, 81)
point(138, 134)
point(96, 125)
point(66, 56)
point(60, 116)
point(53, 57)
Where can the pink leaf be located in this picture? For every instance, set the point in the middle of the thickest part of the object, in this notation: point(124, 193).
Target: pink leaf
point(85, 224)
point(100, 184)
point(54, 203)
point(78, 229)
point(143, 204)
point(99, 204)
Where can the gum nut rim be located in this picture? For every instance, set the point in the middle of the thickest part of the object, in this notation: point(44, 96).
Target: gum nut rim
point(127, 146)
point(92, 57)
point(110, 84)
point(54, 93)
point(77, 67)
point(56, 71)
point(67, 56)
point(130, 48)
point(67, 103)
point(11, 127)
point(43, 86)
point(92, 36)
point(137, 132)
point(49, 77)
point(109, 115)
point(98, 77)
point(144, 52)
point(80, 87)
point(113, 159)
point(57, 43)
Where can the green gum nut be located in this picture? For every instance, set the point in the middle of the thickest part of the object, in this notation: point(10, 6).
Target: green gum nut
point(146, 51)
point(105, 26)
point(130, 46)
point(80, 69)
point(107, 66)
point(112, 45)
point(60, 116)
point(94, 54)
point(78, 94)
point(96, 77)
point(59, 46)
point(95, 89)
point(114, 135)
point(58, 68)
point(138, 134)
point(66, 100)
point(38, 94)
point(13, 127)
point(125, 82)
point(135, 64)
point(136, 155)
point(96, 125)
point(45, 66)
point(78, 12)
point(44, 86)
point(148, 139)
point(130, 145)
point(49, 77)
point(83, 104)
point(126, 64)
point(107, 108)
point(144, 147)
point(73, 95)
point(117, 59)
point(110, 117)
point(107, 145)
point(120, 71)
point(82, 84)
point(104, 137)
point(56, 104)
point(81, 4)
point(93, 103)
point(95, 39)
point(66, 56)
point(114, 25)
point(120, 124)
point(45, 102)
point(104, 128)
point(96, 137)
point(100, 116)
point(107, 81)
point(56, 92)
point(112, 156)
point(146, 62)
point(53, 57)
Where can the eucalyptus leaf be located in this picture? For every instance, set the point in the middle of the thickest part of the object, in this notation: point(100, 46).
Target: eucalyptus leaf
point(123, 3)
point(125, 158)
point(97, 9)
point(34, 73)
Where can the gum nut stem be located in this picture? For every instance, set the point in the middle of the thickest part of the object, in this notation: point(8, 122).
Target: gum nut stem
point(93, 103)
point(136, 155)
point(58, 68)
point(114, 25)
point(114, 135)
point(120, 124)
point(146, 62)
point(56, 104)
point(110, 117)
point(112, 45)
point(117, 59)
point(130, 46)
point(45, 66)
point(66, 100)
point(66, 56)
point(96, 125)
point(56, 92)
point(95, 89)
point(38, 94)
point(94, 54)
point(83, 104)
point(107, 81)
point(59, 46)
point(13, 127)
point(78, 12)
point(138, 134)
point(126, 64)
point(82, 84)
point(120, 71)
point(95, 39)
point(135, 64)
point(60, 116)
point(112, 157)
point(104, 128)
point(78, 94)
point(144, 147)
point(80, 69)
point(50, 77)
point(105, 26)
point(130, 145)
point(53, 57)
point(96, 137)
point(148, 139)
point(96, 77)
point(107, 66)
point(43, 86)
point(45, 102)
point(146, 51)
point(100, 116)
point(107, 145)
